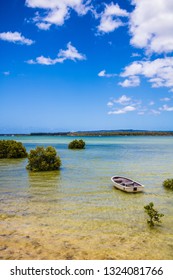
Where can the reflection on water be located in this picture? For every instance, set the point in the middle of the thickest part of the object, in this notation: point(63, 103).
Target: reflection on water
point(44, 182)
point(75, 213)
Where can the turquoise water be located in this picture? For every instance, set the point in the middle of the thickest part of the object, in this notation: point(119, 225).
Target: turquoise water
point(76, 213)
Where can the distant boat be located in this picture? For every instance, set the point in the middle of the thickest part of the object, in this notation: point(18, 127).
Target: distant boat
point(126, 184)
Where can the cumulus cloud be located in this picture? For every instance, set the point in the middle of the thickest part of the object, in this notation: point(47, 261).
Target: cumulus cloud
point(110, 18)
point(133, 81)
point(43, 25)
point(110, 104)
point(124, 110)
point(56, 12)
point(166, 108)
point(70, 53)
point(122, 100)
point(45, 60)
point(159, 72)
point(151, 25)
point(125, 104)
point(15, 37)
point(122, 105)
point(104, 74)
point(162, 109)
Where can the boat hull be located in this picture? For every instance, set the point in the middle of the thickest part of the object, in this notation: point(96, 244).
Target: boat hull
point(127, 185)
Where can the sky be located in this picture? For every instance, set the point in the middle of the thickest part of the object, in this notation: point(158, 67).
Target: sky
point(70, 65)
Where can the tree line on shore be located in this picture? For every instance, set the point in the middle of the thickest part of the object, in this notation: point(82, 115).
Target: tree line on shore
point(98, 133)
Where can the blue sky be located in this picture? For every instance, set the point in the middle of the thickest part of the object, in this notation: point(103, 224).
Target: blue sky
point(70, 65)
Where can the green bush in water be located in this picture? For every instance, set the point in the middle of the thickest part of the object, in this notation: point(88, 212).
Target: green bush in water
point(12, 149)
point(77, 144)
point(154, 215)
point(43, 159)
point(168, 183)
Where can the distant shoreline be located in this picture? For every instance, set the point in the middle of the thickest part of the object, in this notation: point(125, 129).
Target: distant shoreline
point(96, 133)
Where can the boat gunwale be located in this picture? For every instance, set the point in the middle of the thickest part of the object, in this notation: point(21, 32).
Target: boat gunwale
point(128, 188)
point(133, 181)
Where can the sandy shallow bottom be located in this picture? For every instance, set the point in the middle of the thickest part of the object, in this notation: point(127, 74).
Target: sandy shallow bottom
point(37, 240)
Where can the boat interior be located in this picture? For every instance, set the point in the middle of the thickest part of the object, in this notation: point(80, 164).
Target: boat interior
point(125, 182)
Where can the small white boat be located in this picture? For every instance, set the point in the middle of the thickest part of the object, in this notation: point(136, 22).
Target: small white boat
point(126, 184)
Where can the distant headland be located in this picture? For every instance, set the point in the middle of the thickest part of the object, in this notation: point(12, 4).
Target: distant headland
point(121, 132)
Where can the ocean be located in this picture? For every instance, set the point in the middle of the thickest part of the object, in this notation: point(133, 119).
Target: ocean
point(76, 213)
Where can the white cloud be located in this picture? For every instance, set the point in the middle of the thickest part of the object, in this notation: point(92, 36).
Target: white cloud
point(45, 60)
point(57, 11)
point(43, 25)
point(159, 72)
point(122, 100)
point(57, 16)
point(15, 37)
point(110, 18)
point(166, 108)
point(110, 104)
point(104, 74)
point(44, 4)
point(70, 53)
point(151, 25)
point(123, 110)
point(135, 55)
point(133, 69)
point(133, 81)
point(166, 99)
point(123, 105)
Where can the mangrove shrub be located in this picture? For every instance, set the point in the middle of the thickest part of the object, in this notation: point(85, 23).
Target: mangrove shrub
point(43, 159)
point(77, 144)
point(154, 215)
point(12, 149)
point(168, 183)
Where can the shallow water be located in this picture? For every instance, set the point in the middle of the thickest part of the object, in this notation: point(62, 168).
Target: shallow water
point(76, 213)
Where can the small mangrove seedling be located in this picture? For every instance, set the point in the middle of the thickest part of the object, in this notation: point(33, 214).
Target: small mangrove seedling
point(168, 183)
point(154, 215)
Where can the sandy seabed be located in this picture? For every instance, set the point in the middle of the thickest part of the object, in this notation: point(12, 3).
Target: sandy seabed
point(40, 242)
